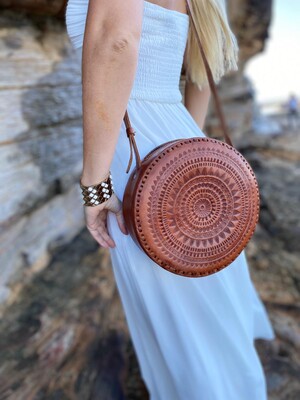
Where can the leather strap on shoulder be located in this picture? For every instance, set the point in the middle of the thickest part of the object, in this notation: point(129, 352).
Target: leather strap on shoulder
point(210, 78)
point(129, 129)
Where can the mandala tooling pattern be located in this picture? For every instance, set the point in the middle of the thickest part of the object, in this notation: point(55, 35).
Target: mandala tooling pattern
point(202, 208)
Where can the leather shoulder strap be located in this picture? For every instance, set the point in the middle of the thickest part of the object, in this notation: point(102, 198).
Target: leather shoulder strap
point(129, 129)
point(210, 78)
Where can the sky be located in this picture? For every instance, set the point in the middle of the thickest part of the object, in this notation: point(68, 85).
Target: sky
point(276, 72)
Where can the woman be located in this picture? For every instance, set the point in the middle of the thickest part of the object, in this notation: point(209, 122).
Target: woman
point(194, 338)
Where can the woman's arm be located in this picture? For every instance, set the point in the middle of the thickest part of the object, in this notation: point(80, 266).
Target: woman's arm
point(109, 60)
point(196, 100)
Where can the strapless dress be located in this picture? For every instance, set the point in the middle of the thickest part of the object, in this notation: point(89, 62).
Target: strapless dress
point(193, 337)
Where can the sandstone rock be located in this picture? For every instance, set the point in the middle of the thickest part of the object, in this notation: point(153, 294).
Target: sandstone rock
point(250, 21)
point(43, 7)
point(60, 307)
point(25, 245)
point(274, 255)
point(41, 136)
point(65, 336)
point(40, 146)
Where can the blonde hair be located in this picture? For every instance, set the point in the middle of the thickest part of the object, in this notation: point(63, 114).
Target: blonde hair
point(217, 39)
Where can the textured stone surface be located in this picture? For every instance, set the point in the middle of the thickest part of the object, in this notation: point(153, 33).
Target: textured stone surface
point(274, 254)
point(65, 336)
point(42, 7)
point(60, 309)
point(276, 247)
point(68, 320)
point(25, 244)
point(250, 21)
point(40, 145)
point(40, 114)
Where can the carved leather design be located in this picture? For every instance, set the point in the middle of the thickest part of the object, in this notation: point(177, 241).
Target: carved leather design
point(192, 206)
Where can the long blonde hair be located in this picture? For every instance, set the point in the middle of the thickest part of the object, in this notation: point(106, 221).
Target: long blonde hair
point(218, 41)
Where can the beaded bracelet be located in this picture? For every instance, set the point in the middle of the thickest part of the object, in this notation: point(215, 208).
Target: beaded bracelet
point(93, 195)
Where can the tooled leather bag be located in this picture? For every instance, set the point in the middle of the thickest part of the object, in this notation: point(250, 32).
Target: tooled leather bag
point(191, 204)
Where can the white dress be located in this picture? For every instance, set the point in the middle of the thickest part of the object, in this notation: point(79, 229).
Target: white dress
point(193, 337)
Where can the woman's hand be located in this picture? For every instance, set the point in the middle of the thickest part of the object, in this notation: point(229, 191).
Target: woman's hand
point(96, 220)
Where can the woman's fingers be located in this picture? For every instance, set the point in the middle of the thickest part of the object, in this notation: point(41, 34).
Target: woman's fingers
point(102, 229)
point(103, 232)
point(121, 222)
point(98, 237)
point(98, 229)
point(96, 219)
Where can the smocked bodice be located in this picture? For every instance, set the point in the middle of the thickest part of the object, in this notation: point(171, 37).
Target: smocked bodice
point(162, 45)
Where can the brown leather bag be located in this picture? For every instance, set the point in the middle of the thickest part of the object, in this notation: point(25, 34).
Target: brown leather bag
point(191, 204)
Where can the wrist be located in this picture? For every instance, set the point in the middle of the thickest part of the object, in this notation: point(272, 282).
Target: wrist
point(97, 193)
point(88, 179)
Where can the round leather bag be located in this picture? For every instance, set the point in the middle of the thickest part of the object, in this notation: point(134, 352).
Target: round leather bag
point(192, 205)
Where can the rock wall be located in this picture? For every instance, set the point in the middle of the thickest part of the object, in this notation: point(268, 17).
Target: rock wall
point(41, 144)
point(40, 7)
point(274, 254)
point(250, 20)
point(60, 306)
point(69, 320)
